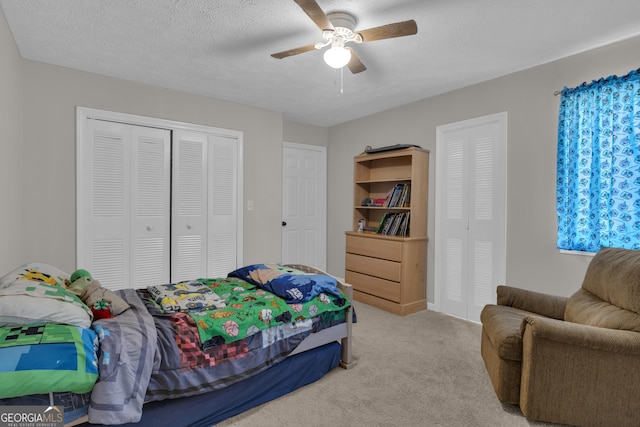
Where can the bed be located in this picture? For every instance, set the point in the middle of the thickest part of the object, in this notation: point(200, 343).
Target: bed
point(176, 354)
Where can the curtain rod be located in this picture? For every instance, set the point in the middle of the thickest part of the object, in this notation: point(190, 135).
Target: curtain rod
point(559, 92)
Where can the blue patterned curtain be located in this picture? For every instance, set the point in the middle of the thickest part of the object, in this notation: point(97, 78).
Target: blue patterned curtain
point(598, 181)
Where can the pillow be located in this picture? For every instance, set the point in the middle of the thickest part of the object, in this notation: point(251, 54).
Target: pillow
point(24, 309)
point(587, 309)
point(36, 292)
point(36, 272)
point(294, 286)
point(185, 296)
point(43, 358)
point(612, 276)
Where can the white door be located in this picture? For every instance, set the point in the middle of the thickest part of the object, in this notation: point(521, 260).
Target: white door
point(224, 217)
point(189, 206)
point(470, 256)
point(205, 205)
point(304, 227)
point(123, 209)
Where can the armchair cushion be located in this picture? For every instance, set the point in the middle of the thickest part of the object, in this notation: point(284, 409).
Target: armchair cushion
point(587, 309)
point(610, 293)
point(613, 276)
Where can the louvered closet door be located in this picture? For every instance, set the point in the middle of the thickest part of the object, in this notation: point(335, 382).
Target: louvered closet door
point(150, 214)
point(123, 209)
point(222, 213)
point(470, 224)
point(205, 205)
point(454, 246)
point(189, 232)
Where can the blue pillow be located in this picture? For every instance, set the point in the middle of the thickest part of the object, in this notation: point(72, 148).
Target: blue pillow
point(294, 286)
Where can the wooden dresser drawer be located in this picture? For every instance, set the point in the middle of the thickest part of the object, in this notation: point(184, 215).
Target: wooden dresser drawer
point(373, 285)
point(384, 269)
point(378, 248)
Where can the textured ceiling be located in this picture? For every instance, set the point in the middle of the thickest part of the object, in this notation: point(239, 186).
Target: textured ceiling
point(221, 48)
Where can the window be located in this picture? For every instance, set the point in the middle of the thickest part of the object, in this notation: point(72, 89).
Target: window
point(598, 180)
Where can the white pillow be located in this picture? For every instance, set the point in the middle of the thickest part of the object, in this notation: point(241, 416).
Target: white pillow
point(25, 309)
point(36, 292)
point(36, 271)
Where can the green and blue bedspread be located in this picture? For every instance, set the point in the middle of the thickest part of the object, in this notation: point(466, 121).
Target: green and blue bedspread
point(250, 309)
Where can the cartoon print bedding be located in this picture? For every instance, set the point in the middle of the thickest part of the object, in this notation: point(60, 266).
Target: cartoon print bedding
point(148, 353)
point(164, 358)
point(250, 309)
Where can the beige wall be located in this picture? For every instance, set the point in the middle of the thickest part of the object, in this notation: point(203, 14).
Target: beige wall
point(50, 96)
point(305, 134)
point(533, 262)
point(11, 165)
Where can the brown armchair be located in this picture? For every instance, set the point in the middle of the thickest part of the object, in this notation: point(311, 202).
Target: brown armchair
point(570, 360)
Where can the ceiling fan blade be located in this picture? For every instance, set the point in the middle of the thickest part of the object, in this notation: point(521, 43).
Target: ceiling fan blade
point(398, 29)
point(292, 52)
point(316, 14)
point(355, 65)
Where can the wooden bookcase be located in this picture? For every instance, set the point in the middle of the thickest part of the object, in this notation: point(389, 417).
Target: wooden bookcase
point(388, 271)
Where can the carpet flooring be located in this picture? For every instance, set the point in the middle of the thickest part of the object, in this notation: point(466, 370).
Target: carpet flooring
point(423, 369)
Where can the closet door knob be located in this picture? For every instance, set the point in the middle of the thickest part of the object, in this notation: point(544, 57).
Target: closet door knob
point(189, 226)
point(149, 228)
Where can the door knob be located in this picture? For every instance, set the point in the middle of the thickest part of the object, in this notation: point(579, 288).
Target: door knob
point(284, 224)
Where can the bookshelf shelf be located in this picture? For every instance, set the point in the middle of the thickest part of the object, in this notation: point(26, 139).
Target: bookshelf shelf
point(383, 180)
point(387, 267)
point(382, 208)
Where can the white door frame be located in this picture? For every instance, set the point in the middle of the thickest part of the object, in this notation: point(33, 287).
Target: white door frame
point(501, 118)
point(322, 200)
point(84, 113)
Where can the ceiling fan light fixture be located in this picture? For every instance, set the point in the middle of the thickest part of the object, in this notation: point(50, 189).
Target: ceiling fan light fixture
point(338, 29)
point(337, 56)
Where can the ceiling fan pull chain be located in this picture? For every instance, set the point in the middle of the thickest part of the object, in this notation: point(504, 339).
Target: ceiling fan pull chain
point(335, 78)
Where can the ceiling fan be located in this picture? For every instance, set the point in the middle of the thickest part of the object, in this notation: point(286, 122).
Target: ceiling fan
point(338, 29)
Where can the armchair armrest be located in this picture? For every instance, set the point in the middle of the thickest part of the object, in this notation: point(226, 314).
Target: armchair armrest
point(535, 302)
point(589, 337)
point(578, 374)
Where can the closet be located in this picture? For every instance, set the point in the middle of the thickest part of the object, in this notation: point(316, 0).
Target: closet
point(471, 180)
point(157, 201)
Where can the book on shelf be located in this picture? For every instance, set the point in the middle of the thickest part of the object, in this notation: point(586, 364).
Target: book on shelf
point(405, 201)
point(381, 224)
point(405, 225)
point(399, 196)
point(394, 224)
point(379, 202)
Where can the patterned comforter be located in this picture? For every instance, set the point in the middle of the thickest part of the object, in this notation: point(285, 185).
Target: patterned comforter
point(148, 354)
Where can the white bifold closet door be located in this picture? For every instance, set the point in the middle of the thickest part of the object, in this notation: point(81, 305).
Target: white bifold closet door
point(204, 205)
point(470, 214)
point(155, 205)
point(124, 204)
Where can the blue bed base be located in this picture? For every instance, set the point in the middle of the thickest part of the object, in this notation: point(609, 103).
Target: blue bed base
point(216, 406)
